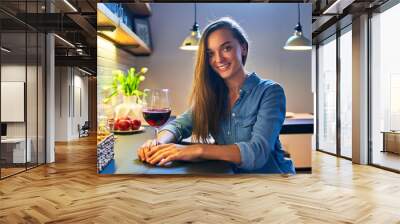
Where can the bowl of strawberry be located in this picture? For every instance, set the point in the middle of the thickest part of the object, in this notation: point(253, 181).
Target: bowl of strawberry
point(127, 125)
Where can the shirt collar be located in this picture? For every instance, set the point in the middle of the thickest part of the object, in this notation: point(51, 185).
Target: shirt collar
point(250, 82)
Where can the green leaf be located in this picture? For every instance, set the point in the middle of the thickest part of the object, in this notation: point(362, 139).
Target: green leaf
point(108, 98)
point(137, 93)
point(128, 83)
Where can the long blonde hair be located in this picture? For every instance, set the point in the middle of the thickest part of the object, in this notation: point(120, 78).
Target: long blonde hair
point(209, 98)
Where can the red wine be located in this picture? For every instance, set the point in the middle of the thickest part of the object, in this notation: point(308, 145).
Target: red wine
point(156, 117)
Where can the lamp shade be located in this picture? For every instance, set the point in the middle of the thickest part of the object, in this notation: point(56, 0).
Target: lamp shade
point(297, 42)
point(191, 42)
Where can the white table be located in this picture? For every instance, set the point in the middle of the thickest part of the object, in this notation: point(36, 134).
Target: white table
point(18, 144)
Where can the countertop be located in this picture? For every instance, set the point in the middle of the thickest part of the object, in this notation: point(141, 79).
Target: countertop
point(126, 161)
point(299, 123)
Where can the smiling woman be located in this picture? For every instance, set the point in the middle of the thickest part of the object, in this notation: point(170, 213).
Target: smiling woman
point(242, 112)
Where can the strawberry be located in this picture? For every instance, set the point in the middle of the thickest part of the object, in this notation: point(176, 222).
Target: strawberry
point(135, 124)
point(124, 125)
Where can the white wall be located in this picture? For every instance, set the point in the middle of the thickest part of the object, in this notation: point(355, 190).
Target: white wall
point(67, 112)
point(109, 58)
point(61, 103)
point(268, 27)
point(16, 73)
point(34, 124)
point(80, 115)
point(12, 73)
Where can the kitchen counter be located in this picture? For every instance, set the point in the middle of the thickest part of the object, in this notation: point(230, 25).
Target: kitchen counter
point(126, 161)
point(296, 138)
point(298, 124)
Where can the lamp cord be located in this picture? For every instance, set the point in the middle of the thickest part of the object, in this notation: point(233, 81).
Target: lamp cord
point(195, 12)
point(298, 12)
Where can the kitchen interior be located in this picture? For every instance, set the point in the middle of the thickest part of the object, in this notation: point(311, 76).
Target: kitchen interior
point(325, 92)
point(351, 90)
point(141, 37)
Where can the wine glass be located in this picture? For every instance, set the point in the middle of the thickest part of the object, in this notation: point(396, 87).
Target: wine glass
point(156, 108)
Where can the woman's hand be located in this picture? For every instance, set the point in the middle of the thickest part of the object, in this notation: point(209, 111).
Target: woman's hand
point(162, 154)
point(162, 138)
point(145, 149)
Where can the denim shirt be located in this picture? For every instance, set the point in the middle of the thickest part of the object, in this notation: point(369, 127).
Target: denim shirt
point(253, 125)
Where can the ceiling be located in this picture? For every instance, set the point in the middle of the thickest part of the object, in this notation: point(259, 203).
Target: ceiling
point(321, 20)
point(76, 24)
point(79, 27)
point(330, 15)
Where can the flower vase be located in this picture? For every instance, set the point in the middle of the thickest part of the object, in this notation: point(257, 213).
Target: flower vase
point(129, 108)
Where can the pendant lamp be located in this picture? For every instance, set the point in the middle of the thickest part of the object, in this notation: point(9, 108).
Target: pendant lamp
point(297, 42)
point(191, 42)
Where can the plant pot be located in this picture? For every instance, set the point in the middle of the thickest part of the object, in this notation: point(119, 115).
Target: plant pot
point(129, 108)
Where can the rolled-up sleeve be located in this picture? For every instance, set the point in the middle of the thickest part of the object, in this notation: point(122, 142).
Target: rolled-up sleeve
point(270, 117)
point(181, 127)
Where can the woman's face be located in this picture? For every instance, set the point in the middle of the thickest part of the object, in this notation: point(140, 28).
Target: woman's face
point(225, 53)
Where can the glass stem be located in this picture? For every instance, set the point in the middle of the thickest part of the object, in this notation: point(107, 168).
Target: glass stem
point(156, 134)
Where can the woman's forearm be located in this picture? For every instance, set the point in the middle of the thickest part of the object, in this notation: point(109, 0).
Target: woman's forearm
point(229, 153)
point(165, 137)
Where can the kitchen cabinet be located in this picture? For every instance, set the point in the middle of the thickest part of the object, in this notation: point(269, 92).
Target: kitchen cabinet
point(296, 139)
point(110, 26)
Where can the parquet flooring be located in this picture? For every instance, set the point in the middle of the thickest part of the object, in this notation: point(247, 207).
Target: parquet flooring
point(70, 191)
point(387, 159)
point(10, 171)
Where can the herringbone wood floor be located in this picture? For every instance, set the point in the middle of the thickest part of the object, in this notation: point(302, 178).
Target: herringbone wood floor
point(70, 191)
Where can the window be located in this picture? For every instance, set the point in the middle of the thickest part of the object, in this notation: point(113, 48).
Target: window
point(22, 76)
point(327, 95)
point(346, 92)
point(385, 89)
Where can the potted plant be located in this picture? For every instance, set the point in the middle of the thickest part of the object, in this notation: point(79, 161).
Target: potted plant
point(127, 86)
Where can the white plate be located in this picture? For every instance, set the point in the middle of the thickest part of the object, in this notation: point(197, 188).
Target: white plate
point(141, 129)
